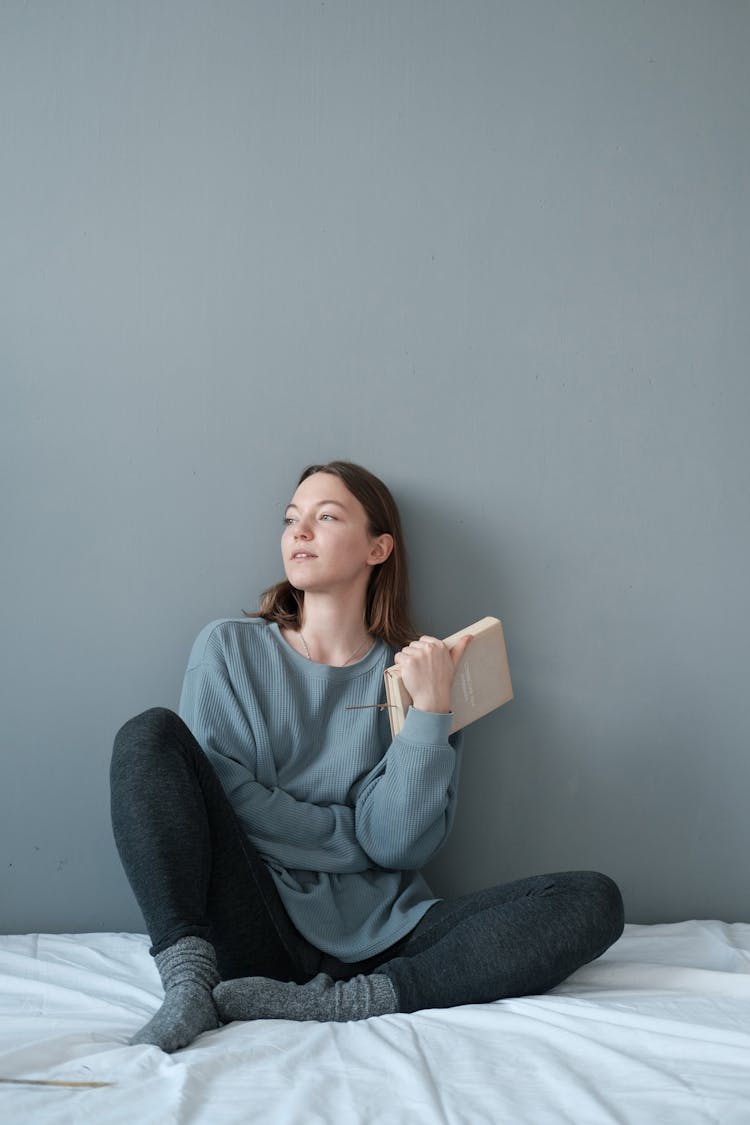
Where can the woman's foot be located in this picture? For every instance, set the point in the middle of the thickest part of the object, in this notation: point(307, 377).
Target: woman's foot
point(188, 972)
point(186, 1013)
point(322, 999)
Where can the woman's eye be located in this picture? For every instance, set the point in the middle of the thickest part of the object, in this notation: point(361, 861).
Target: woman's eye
point(327, 516)
point(288, 521)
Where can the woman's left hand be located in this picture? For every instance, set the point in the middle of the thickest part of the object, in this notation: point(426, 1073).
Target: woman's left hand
point(428, 667)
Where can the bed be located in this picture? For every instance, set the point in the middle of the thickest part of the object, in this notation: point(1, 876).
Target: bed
point(656, 1031)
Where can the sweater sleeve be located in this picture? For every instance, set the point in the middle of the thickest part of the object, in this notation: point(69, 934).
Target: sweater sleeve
point(287, 832)
point(405, 808)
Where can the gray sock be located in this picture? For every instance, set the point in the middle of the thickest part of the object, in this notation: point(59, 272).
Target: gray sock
point(323, 999)
point(188, 972)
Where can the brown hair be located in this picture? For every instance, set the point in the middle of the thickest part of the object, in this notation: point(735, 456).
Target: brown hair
point(387, 612)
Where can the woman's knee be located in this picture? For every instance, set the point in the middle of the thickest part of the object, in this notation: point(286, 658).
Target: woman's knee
point(606, 901)
point(143, 734)
point(148, 725)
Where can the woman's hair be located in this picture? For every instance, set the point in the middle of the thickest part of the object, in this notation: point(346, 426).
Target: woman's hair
point(387, 612)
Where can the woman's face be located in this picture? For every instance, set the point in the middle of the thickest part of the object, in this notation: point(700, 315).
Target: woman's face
point(326, 544)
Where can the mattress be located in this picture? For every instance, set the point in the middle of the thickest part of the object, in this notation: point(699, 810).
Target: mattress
point(656, 1031)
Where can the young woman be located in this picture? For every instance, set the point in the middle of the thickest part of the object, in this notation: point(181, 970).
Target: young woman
point(273, 834)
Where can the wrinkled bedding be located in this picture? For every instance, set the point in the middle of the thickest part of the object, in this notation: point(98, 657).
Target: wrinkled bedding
point(657, 1030)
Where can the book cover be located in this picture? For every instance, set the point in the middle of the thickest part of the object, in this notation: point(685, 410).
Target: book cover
point(481, 683)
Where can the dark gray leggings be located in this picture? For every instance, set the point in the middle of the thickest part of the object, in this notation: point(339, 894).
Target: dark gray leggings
point(193, 871)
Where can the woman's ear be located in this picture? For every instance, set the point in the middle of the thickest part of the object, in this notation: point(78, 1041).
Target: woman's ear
point(381, 548)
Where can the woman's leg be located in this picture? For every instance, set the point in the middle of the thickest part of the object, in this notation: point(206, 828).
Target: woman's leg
point(517, 939)
point(513, 940)
point(209, 903)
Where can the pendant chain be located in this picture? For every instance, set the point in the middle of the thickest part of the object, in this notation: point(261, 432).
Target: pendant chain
point(355, 653)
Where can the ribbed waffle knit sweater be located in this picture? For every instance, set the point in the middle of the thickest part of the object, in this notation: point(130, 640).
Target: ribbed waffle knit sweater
point(342, 815)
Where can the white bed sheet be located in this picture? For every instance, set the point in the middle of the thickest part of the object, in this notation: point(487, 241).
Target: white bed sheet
point(655, 1032)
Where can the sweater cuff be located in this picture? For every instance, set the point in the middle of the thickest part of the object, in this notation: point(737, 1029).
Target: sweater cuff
point(426, 727)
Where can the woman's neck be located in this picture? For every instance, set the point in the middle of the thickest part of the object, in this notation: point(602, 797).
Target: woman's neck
point(332, 631)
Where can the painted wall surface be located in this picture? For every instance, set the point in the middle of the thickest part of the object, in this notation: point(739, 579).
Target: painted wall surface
point(496, 251)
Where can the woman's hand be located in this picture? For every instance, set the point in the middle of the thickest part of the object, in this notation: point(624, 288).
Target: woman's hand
point(428, 668)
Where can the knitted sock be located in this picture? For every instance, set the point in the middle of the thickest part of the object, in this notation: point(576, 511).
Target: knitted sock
point(323, 999)
point(188, 972)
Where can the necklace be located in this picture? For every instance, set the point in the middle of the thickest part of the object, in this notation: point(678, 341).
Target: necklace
point(355, 653)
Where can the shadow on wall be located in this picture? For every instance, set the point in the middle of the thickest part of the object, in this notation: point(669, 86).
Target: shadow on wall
point(460, 572)
point(457, 576)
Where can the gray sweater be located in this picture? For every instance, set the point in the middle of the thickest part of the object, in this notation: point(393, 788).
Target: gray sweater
point(342, 815)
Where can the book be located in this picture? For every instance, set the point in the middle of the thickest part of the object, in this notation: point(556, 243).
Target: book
point(481, 683)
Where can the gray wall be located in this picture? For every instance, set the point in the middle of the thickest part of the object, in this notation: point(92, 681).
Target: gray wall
point(498, 252)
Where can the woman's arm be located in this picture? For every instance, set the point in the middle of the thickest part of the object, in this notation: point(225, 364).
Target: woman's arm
point(406, 806)
point(296, 834)
point(405, 809)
